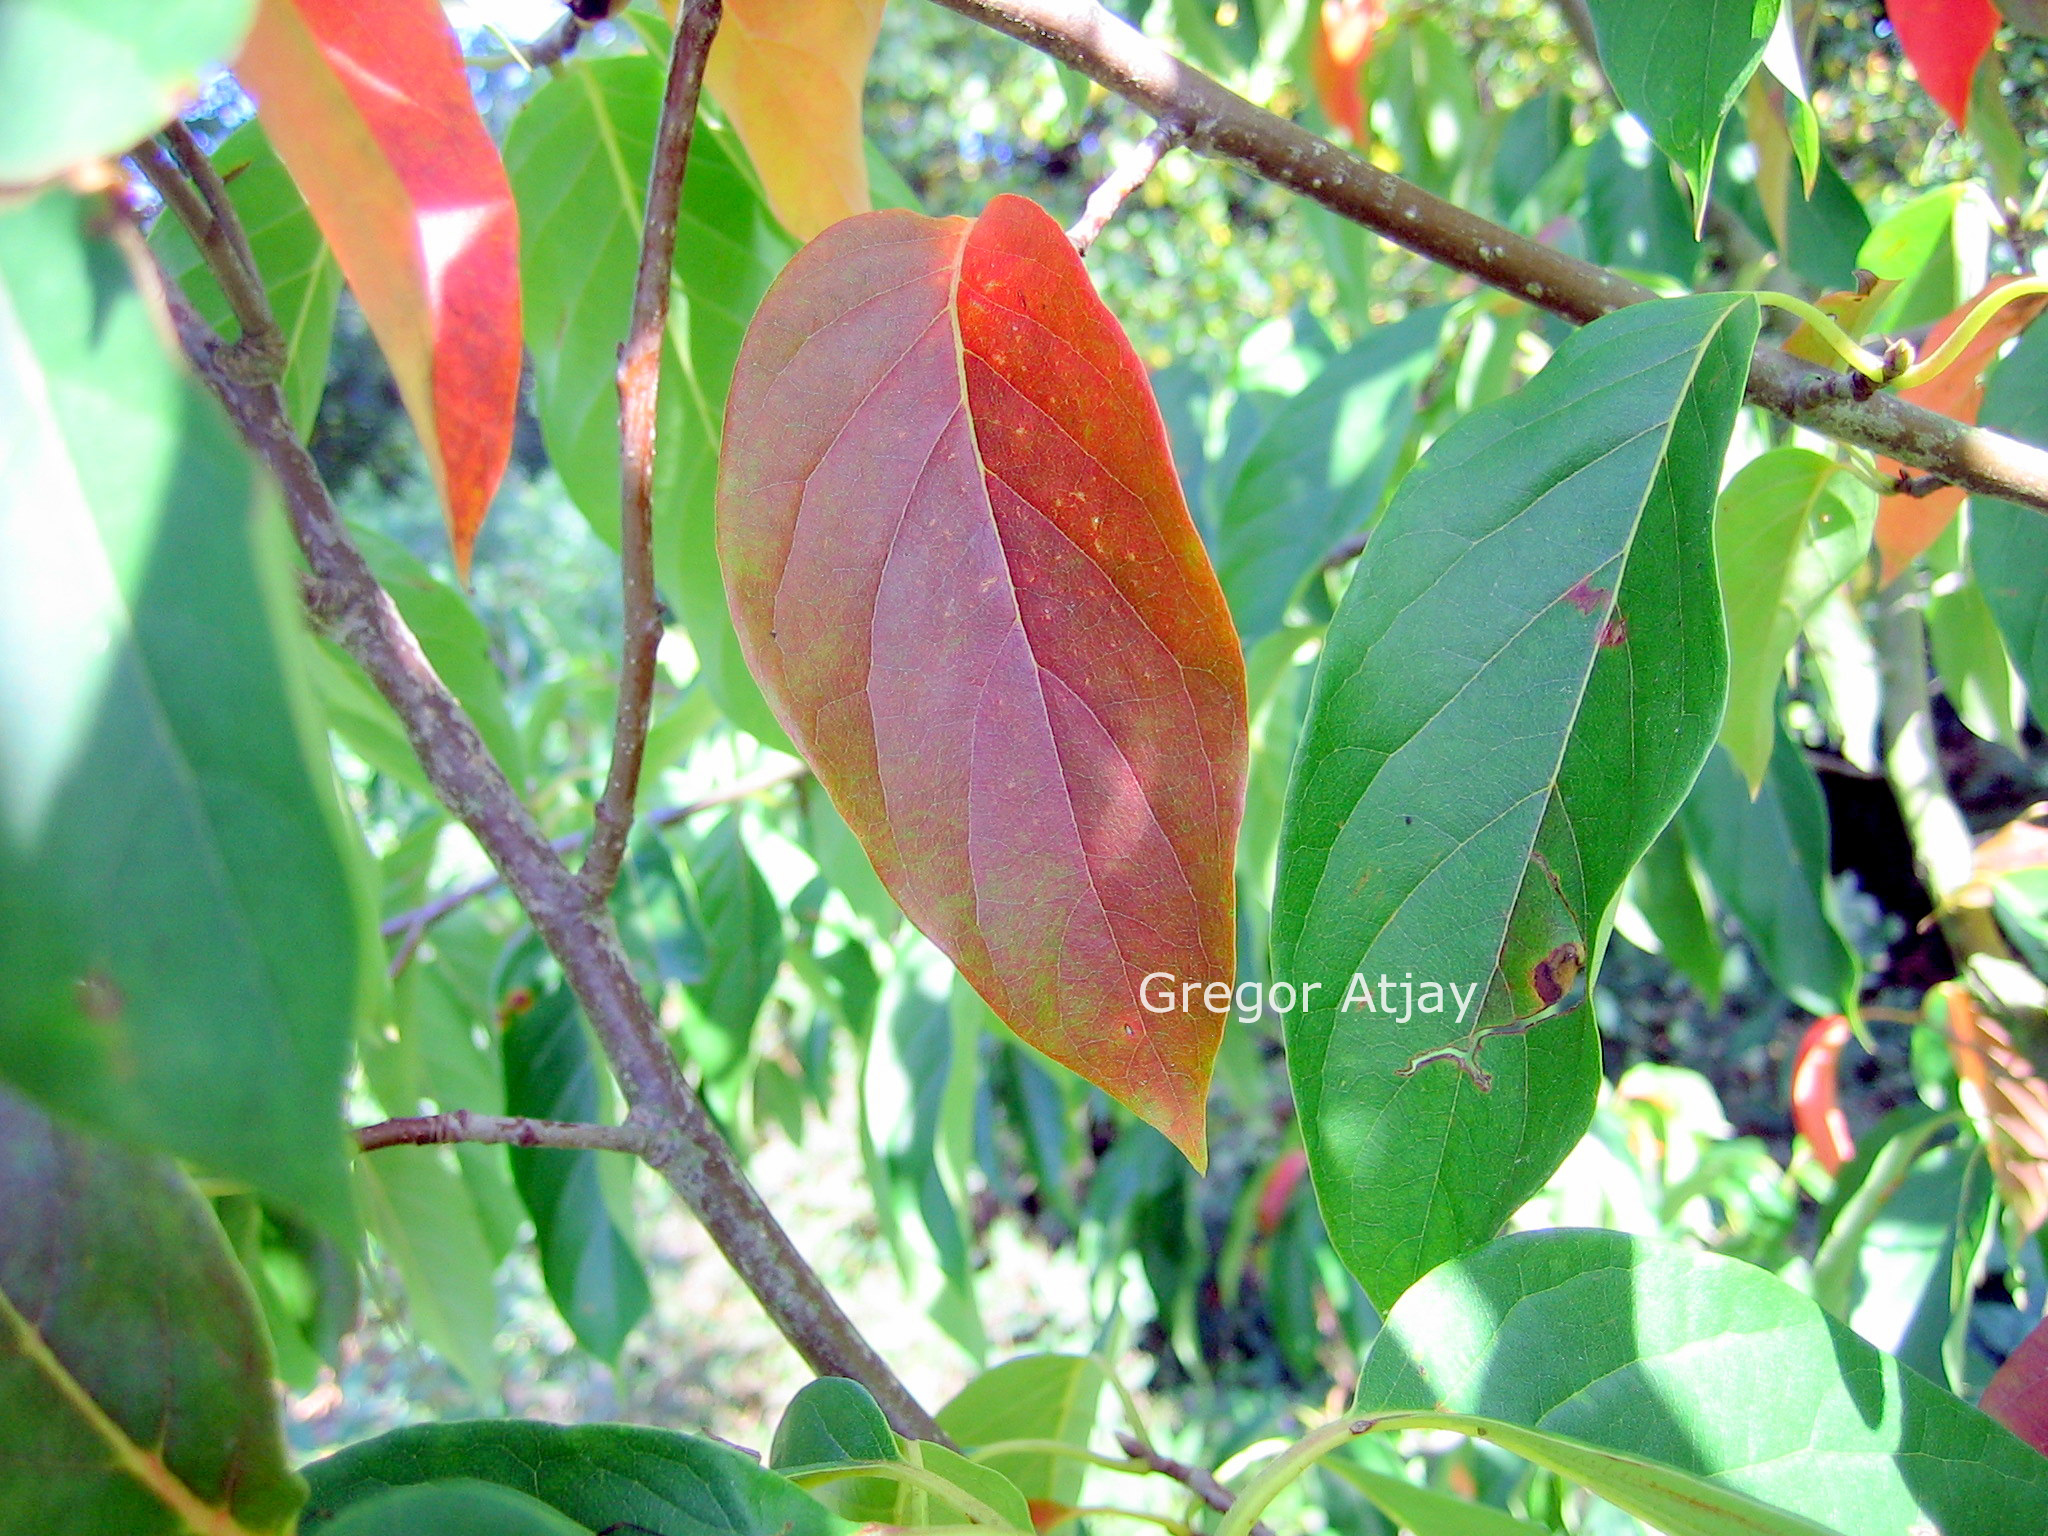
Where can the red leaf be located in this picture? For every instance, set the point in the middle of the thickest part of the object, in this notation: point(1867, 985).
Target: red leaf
point(1945, 40)
point(2017, 1394)
point(1342, 45)
point(369, 108)
point(1282, 1179)
point(962, 570)
point(1907, 526)
point(1816, 1112)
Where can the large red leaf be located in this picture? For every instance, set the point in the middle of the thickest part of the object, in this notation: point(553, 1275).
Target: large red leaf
point(962, 569)
point(1945, 40)
point(2017, 1394)
point(369, 109)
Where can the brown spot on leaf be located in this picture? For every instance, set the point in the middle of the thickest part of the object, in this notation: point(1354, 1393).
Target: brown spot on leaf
point(1615, 631)
point(1556, 971)
point(1584, 596)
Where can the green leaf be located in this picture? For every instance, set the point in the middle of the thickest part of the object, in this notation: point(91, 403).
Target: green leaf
point(1424, 1511)
point(1767, 861)
point(1916, 247)
point(1970, 659)
point(1038, 1397)
point(2008, 543)
point(87, 80)
point(743, 927)
point(591, 1269)
point(135, 1389)
point(298, 270)
point(831, 1419)
point(456, 1506)
point(1513, 699)
point(1681, 67)
point(599, 1476)
point(1790, 528)
point(1320, 468)
point(414, 1201)
point(1635, 214)
point(178, 929)
point(1643, 1370)
point(1668, 895)
point(578, 156)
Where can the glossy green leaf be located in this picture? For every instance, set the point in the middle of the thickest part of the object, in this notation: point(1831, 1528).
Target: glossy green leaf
point(1790, 528)
point(1037, 1397)
point(1916, 247)
point(1640, 1370)
point(831, 1419)
point(86, 80)
point(1681, 67)
point(598, 1475)
point(1426, 1512)
point(1319, 471)
point(178, 929)
point(454, 1507)
point(1635, 214)
point(591, 1270)
point(1969, 657)
point(1767, 861)
point(414, 1202)
point(135, 1389)
point(743, 931)
point(1668, 895)
point(1470, 796)
point(2008, 543)
point(578, 156)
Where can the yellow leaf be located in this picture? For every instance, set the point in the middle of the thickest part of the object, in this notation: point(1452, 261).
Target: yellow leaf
point(788, 73)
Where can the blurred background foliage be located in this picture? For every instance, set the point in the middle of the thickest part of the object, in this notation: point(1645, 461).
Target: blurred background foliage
point(968, 1199)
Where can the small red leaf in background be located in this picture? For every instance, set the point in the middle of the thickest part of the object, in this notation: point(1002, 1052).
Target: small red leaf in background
point(962, 569)
point(1816, 1108)
point(1345, 30)
point(369, 108)
point(2017, 1394)
point(1907, 526)
point(1945, 40)
point(1282, 1179)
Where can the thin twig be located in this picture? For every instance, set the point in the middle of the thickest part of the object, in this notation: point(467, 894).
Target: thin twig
point(1128, 175)
point(417, 920)
point(344, 600)
point(258, 352)
point(1108, 50)
point(499, 1130)
point(1198, 1481)
point(639, 392)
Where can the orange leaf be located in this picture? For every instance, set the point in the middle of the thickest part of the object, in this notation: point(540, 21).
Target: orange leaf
point(789, 75)
point(1908, 525)
point(964, 575)
point(1816, 1109)
point(369, 108)
point(2013, 1098)
point(1344, 35)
